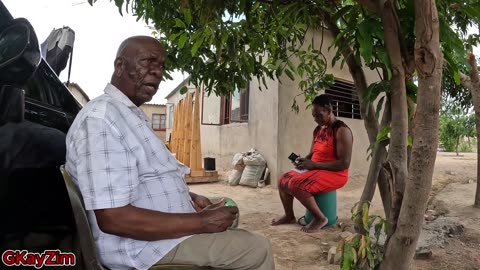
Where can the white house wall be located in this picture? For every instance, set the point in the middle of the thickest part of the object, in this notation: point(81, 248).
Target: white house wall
point(295, 131)
point(211, 111)
point(273, 128)
point(223, 141)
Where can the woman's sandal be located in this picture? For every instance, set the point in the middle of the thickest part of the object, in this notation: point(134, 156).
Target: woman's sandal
point(301, 221)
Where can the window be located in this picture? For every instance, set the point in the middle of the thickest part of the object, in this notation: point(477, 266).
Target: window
point(345, 100)
point(235, 107)
point(239, 106)
point(158, 121)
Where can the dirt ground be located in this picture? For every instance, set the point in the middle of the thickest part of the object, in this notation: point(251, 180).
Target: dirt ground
point(452, 193)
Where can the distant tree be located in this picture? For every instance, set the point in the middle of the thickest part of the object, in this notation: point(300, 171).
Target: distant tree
point(472, 83)
point(455, 125)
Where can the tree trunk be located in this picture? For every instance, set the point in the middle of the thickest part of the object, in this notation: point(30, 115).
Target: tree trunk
point(371, 124)
point(428, 60)
point(477, 124)
point(397, 168)
point(412, 106)
point(456, 145)
point(472, 83)
point(378, 158)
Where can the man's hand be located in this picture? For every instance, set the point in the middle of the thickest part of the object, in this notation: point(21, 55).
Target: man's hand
point(217, 217)
point(200, 202)
point(305, 164)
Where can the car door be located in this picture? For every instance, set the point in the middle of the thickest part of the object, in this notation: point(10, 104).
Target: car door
point(48, 101)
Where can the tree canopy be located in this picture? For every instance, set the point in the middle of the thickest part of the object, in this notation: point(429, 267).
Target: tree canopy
point(224, 44)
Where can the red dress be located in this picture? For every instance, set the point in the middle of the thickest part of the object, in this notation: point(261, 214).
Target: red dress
point(313, 182)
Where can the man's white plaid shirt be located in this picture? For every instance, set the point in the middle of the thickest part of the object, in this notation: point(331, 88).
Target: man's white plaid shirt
point(116, 159)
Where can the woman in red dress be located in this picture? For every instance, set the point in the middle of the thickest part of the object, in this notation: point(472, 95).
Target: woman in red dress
point(324, 169)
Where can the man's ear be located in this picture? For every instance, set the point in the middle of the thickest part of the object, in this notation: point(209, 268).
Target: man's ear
point(119, 66)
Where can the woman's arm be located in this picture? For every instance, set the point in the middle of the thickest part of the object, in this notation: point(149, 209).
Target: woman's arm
point(344, 154)
point(309, 156)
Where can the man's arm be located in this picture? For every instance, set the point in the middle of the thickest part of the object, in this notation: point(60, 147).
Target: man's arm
point(344, 154)
point(108, 179)
point(148, 225)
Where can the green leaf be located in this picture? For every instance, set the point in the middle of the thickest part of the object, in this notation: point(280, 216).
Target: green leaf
point(365, 215)
point(409, 140)
point(374, 90)
point(383, 134)
point(182, 40)
point(341, 12)
point(174, 36)
point(188, 15)
point(379, 107)
point(383, 56)
point(347, 257)
point(456, 77)
point(291, 65)
point(289, 74)
point(119, 4)
point(183, 90)
point(179, 23)
point(365, 39)
point(378, 230)
point(412, 90)
point(370, 150)
point(197, 45)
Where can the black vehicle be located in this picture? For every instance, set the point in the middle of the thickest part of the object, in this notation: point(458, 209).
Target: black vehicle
point(36, 111)
point(47, 100)
point(41, 210)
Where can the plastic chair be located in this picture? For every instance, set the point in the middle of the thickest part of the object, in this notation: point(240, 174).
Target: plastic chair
point(89, 257)
point(327, 202)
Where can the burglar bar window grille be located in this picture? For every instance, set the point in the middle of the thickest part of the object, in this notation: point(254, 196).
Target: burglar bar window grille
point(345, 100)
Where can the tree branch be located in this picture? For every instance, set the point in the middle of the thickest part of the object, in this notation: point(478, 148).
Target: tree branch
point(471, 82)
point(378, 158)
point(358, 75)
point(474, 72)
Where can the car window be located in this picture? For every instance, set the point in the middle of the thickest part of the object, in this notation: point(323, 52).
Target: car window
point(44, 86)
point(38, 87)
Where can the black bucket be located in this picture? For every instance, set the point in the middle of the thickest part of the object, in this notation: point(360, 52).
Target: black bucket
point(209, 164)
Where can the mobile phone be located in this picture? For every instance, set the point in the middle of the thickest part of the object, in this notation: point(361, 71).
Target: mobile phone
point(293, 157)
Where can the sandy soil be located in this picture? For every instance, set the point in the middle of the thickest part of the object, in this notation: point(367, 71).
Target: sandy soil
point(453, 190)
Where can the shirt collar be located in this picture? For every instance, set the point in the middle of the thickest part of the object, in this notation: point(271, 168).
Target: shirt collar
point(118, 95)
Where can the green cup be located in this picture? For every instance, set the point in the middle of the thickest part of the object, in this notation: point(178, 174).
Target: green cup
point(230, 203)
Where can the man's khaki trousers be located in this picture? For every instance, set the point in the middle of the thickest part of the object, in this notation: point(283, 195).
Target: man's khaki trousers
point(232, 249)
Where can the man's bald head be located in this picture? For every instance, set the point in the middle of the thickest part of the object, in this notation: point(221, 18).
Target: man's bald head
point(139, 67)
point(131, 44)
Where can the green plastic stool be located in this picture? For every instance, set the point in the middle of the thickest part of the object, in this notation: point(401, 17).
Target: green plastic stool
point(327, 202)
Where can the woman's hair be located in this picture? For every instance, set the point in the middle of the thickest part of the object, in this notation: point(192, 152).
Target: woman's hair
point(323, 101)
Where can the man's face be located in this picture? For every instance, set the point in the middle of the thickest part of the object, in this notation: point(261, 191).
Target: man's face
point(320, 114)
point(144, 71)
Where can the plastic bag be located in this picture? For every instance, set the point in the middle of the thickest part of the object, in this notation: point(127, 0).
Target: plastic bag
point(254, 158)
point(234, 177)
point(237, 161)
point(251, 175)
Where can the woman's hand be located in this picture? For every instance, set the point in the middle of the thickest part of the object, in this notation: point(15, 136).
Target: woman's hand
point(305, 164)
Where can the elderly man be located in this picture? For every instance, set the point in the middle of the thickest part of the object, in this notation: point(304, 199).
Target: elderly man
point(140, 208)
